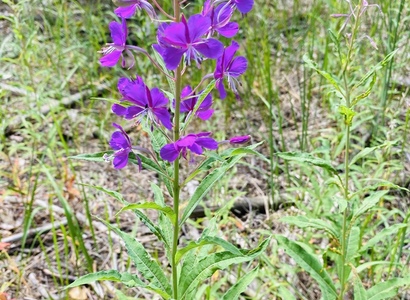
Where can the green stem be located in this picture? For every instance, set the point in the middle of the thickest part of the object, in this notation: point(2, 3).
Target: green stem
point(176, 189)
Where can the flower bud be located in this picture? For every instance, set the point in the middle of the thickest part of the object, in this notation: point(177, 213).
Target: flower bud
point(239, 139)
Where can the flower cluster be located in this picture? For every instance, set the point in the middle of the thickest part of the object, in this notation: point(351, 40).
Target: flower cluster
point(179, 44)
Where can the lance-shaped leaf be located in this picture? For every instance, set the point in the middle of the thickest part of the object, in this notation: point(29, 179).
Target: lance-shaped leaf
point(240, 286)
point(207, 266)
point(150, 205)
point(352, 244)
point(368, 203)
point(303, 222)
point(380, 236)
point(111, 275)
point(207, 240)
point(302, 157)
point(310, 264)
point(147, 266)
point(387, 289)
point(164, 223)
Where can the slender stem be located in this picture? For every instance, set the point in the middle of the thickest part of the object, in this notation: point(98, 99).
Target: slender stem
point(176, 189)
point(163, 11)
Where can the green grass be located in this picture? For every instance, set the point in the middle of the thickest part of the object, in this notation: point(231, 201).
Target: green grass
point(51, 90)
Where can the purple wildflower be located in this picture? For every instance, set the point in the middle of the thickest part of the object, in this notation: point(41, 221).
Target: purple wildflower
point(244, 6)
point(121, 143)
point(128, 8)
point(229, 67)
point(152, 103)
point(204, 111)
point(220, 17)
point(239, 139)
point(114, 51)
point(185, 37)
point(193, 142)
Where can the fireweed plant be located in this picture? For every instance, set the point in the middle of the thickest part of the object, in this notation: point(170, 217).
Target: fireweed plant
point(165, 115)
point(348, 244)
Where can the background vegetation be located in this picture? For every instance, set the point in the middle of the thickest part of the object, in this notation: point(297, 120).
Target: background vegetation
point(55, 102)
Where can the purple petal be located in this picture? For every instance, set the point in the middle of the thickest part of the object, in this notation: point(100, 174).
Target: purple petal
point(111, 59)
point(212, 48)
point(136, 93)
point(119, 110)
point(175, 35)
point(132, 112)
point(186, 91)
point(172, 57)
point(127, 11)
point(205, 115)
point(186, 141)
point(202, 134)
point(229, 30)
point(240, 139)
point(238, 66)
point(117, 34)
point(230, 53)
point(221, 88)
point(207, 142)
point(244, 6)
point(118, 141)
point(206, 8)
point(120, 160)
point(169, 152)
point(206, 103)
point(197, 149)
point(164, 117)
point(187, 105)
point(198, 26)
point(158, 98)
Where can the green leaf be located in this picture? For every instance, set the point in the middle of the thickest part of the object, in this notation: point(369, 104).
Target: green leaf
point(387, 289)
point(377, 67)
point(109, 192)
point(303, 222)
point(207, 240)
point(157, 137)
point(382, 235)
point(204, 268)
point(366, 93)
point(358, 289)
point(150, 205)
point(366, 151)
point(161, 63)
point(206, 185)
point(352, 244)
point(347, 113)
point(164, 223)
point(309, 263)
point(111, 275)
point(302, 157)
point(368, 203)
point(311, 64)
point(147, 163)
point(148, 267)
point(240, 286)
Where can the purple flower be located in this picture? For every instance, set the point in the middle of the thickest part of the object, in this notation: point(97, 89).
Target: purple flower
point(185, 37)
point(114, 51)
point(121, 143)
point(152, 103)
point(193, 142)
point(244, 6)
point(229, 67)
point(128, 8)
point(239, 139)
point(204, 111)
point(220, 17)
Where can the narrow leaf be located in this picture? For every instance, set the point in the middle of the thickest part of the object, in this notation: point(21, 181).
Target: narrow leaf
point(303, 222)
point(366, 93)
point(352, 244)
point(386, 232)
point(369, 202)
point(240, 286)
point(207, 266)
point(150, 205)
point(387, 289)
point(309, 263)
point(358, 289)
point(307, 158)
point(148, 267)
